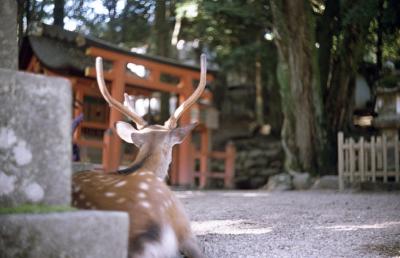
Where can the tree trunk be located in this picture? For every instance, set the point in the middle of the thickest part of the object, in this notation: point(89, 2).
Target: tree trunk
point(20, 20)
point(302, 135)
point(259, 91)
point(161, 36)
point(326, 28)
point(349, 48)
point(58, 13)
point(379, 43)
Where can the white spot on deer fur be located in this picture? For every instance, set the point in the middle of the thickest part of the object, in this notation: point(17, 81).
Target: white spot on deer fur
point(160, 179)
point(168, 203)
point(75, 203)
point(141, 195)
point(34, 192)
point(166, 247)
point(22, 154)
point(144, 186)
point(81, 196)
point(7, 138)
point(110, 194)
point(149, 180)
point(144, 173)
point(76, 189)
point(165, 204)
point(121, 200)
point(145, 204)
point(86, 180)
point(158, 190)
point(119, 184)
point(88, 204)
point(7, 183)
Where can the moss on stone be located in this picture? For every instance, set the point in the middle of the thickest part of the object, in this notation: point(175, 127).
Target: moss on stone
point(35, 208)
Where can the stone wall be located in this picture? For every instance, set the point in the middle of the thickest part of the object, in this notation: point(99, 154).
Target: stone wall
point(257, 159)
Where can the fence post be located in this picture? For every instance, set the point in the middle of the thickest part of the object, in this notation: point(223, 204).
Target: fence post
point(352, 160)
point(361, 160)
point(379, 151)
point(340, 161)
point(373, 159)
point(384, 151)
point(230, 152)
point(396, 157)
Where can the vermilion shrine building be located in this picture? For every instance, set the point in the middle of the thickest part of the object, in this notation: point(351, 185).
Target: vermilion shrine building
point(53, 51)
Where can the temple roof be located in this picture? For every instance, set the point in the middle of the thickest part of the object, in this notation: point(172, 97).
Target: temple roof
point(64, 50)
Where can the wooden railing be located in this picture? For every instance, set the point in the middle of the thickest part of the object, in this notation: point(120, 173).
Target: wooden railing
point(229, 160)
point(376, 160)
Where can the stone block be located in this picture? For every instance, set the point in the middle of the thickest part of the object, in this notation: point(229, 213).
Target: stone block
point(280, 182)
point(81, 234)
point(301, 180)
point(35, 139)
point(326, 183)
point(8, 35)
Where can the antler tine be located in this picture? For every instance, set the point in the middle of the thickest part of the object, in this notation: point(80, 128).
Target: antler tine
point(111, 101)
point(129, 103)
point(173, 120)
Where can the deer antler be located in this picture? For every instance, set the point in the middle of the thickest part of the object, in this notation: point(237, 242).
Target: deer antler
point(127, 109)
point(172, 121)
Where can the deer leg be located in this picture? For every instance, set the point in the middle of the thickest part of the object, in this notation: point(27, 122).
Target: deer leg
point(190, 248)
point(157, 242)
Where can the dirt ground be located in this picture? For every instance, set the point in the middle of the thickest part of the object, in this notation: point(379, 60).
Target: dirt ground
point(295, 224)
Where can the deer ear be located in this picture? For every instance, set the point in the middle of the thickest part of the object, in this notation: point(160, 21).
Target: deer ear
point(179, 134)
point(125, 131)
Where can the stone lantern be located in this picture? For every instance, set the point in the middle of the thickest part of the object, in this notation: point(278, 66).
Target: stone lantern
point(388, 109)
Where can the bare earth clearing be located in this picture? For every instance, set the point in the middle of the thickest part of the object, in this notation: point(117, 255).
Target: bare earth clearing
point(295, 224)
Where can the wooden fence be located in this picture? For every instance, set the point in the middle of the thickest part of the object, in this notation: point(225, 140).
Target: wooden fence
point(376, 160)
point(227, 175)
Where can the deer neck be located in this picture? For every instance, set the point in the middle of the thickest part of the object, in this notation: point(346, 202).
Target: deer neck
point(153, 160)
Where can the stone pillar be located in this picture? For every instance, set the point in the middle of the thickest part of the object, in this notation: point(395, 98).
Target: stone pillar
point(8, 35)
point(35, 139)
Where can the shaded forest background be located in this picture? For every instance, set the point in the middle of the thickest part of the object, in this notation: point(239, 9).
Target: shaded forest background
point(300, 58)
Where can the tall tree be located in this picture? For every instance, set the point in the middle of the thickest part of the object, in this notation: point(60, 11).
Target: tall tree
point(162, 43)
point(58, 13)
point(354, 21)
point(303, 136)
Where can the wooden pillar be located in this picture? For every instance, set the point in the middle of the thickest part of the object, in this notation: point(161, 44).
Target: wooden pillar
point(174, 166)
point(112, 149)
point(78, 109)
point(204, 149)
point(185, 174)
point(230, 157)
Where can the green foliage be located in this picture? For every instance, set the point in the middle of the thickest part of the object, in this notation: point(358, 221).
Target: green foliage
point(31, 208)
point(232, 29)
point(389, 81)
point(127, 27)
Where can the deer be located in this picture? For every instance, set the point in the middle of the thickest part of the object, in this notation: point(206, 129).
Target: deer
point(159, 226)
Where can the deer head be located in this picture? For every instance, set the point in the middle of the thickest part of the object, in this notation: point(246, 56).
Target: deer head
point(155, 142)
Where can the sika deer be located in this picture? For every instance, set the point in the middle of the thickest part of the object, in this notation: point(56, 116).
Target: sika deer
point(159, 226)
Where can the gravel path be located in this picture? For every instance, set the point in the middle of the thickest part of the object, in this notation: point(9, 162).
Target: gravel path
point(295, 224)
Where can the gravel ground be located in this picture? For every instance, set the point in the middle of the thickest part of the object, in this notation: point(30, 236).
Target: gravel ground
point(295, 224)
